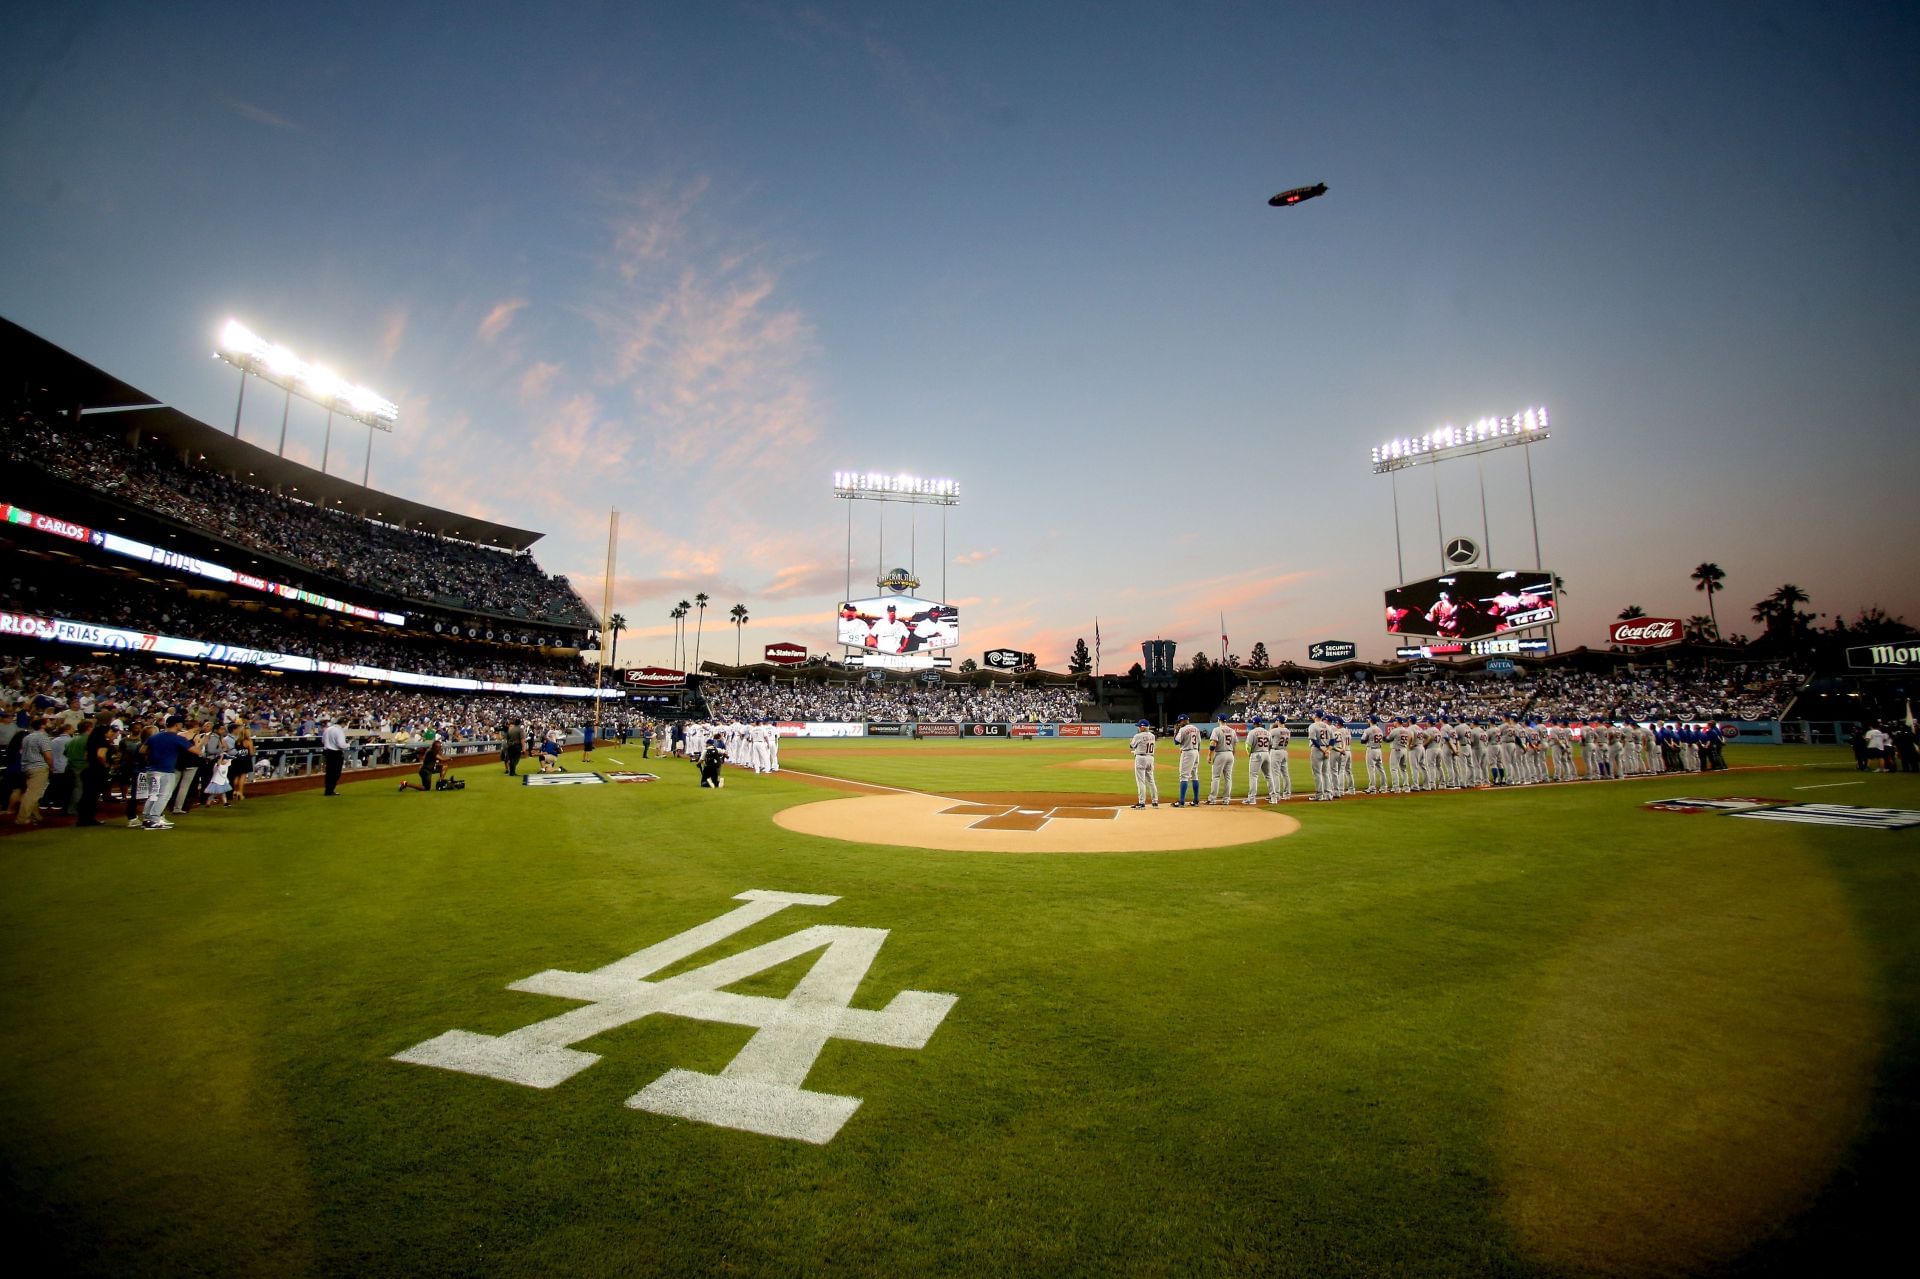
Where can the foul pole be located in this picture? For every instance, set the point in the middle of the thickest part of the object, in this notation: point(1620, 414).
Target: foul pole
point(606, 612)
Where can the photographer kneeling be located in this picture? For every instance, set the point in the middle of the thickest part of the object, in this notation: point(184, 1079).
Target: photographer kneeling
point(429, 764)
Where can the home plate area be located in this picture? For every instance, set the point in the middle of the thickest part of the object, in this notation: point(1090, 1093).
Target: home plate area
point(1031, 822)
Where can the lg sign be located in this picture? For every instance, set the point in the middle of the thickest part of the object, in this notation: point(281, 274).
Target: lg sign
point(1645, 632)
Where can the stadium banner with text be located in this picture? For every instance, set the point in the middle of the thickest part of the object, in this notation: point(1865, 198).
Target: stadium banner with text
point(898, 626)
point(1884, 657)
point(885, 728)
point(126, 546)
point(1080, 730)
point(1472, 604)
point(1645, 632)
point(1507, 645)
point(983, 730)
point(786, 654)
point(1033, 730)
point(652, 677)
point(821, 728)
point(87, 634)
point(1332, 651)
point(936, 730)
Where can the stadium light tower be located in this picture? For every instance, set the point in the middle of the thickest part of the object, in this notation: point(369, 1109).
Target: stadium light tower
point(1526, 427)
point(270, 362)
point(882, 486)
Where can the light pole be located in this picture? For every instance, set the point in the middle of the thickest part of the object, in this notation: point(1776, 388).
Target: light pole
point(270, 362)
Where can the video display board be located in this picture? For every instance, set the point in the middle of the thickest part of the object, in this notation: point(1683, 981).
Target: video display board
point(899, 624)
point(1472, 605)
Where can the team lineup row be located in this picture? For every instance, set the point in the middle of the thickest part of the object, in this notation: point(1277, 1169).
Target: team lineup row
point(1405, 754)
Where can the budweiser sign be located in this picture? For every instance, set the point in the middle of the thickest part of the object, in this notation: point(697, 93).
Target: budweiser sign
point(653, 677)
point(1645, 632)
point(786, 654)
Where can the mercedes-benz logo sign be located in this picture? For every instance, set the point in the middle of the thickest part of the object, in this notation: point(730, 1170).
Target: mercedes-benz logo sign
point(1462, 550)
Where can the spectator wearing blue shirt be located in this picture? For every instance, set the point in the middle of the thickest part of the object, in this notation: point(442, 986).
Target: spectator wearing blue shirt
point(164, 750)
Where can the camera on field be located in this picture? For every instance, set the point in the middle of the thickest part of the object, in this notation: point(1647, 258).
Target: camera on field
point(449, 783)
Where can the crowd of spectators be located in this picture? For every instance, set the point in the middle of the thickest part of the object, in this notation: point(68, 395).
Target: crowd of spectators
point(347, 548)
point(1741, 692)
point(145, 690)
point(134, 605)
point(857, 700)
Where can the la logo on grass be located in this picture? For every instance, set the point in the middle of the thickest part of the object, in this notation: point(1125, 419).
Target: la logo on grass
point(760, 1090)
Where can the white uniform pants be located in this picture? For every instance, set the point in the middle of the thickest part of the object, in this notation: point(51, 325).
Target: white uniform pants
point(1222, 783)
point(1146, 787)
point(1279, 777)
point(1256, 773)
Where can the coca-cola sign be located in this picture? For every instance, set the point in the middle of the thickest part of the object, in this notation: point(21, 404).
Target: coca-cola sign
point(786, 654)
point(1645, 632)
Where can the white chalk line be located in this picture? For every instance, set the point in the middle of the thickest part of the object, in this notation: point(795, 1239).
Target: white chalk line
point(1830, 785)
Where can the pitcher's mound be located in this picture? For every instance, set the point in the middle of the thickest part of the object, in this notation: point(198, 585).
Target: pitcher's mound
point(1010, 825)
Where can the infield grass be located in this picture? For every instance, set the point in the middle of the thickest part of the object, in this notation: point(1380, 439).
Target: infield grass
point(1541, 1031)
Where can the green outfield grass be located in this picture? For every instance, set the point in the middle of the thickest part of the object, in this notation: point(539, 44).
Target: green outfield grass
point(1543, 1031)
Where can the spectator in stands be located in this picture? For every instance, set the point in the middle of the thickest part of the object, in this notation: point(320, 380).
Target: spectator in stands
point(36, 770)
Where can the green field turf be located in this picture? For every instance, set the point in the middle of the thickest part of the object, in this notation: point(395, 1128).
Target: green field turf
point(1523, 1032)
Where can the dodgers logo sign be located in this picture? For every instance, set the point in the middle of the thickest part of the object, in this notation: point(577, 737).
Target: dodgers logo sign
point(761, 1089)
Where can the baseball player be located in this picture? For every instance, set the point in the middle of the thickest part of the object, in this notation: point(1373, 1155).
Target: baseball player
point(1320, 749)
point(1342, 757)
point(1400, 737)
point(1145, 784)
point(1187, 738)
point(1374, 738)
point(1222, 741)
point(1279, 776)
point(1259, 751)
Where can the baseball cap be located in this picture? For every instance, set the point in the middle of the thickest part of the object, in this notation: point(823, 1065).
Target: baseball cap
point(1185, 717)
point(1145, 724)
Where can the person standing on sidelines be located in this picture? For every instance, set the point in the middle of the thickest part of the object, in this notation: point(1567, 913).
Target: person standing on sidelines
point(586, 737)
point(513, 744)
point(36, 763)
point(1259, 753)
point(1222, 740)
point(1145, 784)
point(333, 753)
point(1187, 738)
point(164, 751)
point(1374, 738)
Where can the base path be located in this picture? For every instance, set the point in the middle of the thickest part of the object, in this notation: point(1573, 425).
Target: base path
point(1038, 823)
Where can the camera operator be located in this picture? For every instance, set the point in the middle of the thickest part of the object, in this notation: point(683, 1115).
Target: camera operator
point(429, 764)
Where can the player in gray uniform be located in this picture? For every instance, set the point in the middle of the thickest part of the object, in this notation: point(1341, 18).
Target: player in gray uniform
point(1433, 752)
point(1145, 784)
point(1259, 747)
point(1319, 751)
point(1506, 741)
point(1279, 776)
point(1222, 741)
point(1187, 738)
point(1374, 739)
point(1593, 743)
point(1400, 762)
point(1342, 757)
point(1450, 752)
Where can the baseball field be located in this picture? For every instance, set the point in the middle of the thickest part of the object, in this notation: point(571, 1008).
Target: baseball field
point(954, 1009)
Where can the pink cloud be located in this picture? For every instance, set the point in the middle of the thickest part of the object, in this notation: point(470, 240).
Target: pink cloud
point(499, 318)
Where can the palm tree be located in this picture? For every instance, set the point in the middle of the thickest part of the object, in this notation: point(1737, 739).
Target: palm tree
point(701, 600)
point(739, 615)
point(1702, 629)
point(1708, 577)
point(679, 611)
point(615, 625)
point(1632, 611)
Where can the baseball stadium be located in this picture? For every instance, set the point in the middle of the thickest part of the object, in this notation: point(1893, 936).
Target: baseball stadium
point(1087, 846)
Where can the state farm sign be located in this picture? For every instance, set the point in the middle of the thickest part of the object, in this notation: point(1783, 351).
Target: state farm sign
point(786, 654)
point(1645, 632)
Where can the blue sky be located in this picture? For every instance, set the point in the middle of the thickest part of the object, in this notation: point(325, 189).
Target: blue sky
point(690, 260)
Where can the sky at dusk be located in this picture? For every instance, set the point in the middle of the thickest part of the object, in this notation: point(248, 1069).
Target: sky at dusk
point(689, 260)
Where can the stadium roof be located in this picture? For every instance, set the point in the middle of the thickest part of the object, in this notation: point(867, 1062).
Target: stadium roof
point(66, 381)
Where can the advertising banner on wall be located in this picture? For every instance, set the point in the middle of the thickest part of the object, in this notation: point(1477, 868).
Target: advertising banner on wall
point(1008, 659)
point(786, 654)
point(652, 677)
point(983, 730)
point(1645, 632)
point(1902, 656)
point(1472, 604)
point(1332, 651)
point(936, 730)
point(885, 728)
point(1079, 730)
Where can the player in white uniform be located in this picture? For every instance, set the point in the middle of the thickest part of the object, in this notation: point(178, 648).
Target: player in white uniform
point(890, 632)
point(773, 746)
point(1259, 749)
point(1145, 784)
point(1222, 741)
point(1374, 739)
point(1279, 776)
point(1187, 738)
